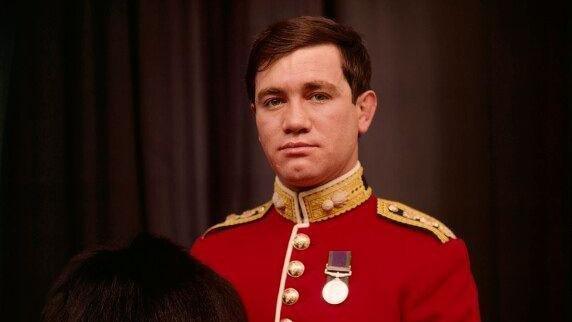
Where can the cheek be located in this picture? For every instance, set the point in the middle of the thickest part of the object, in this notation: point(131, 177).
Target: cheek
point(343, 128)
point(265, 126)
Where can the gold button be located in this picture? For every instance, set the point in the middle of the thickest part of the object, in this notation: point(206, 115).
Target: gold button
point(286, 320)
point(290, 296)
point(339, 197)
point(295, 268)
point(393, 208)
point(301, 241)
point(328, 205)
point(278, 201)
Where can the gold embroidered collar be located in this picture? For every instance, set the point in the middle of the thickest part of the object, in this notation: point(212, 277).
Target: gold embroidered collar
point(323, 202)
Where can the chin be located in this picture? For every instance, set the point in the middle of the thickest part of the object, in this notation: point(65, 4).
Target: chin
point(300, 178)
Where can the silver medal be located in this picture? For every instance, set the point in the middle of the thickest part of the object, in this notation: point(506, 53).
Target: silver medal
point(335, 291)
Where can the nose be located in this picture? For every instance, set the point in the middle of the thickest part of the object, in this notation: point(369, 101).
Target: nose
point(296, 118)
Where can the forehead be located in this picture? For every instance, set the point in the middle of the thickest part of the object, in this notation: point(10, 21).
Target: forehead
point(308, 64)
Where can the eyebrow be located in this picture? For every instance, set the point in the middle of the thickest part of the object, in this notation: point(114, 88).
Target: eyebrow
point(267, 92)
point(314, 85)
point(307, 87)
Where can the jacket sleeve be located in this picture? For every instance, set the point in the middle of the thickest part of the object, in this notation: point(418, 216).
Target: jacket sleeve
point(442, 287)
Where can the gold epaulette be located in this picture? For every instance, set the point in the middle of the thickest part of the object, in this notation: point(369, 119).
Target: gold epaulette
point(244, 217)
point(409, 216)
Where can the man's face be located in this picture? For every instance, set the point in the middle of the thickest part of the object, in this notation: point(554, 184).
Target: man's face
point(307, 123)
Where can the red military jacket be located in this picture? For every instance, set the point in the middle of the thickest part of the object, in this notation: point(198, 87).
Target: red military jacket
point(405, 265)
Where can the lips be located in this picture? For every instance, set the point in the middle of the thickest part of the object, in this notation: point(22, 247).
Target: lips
point(296, 145)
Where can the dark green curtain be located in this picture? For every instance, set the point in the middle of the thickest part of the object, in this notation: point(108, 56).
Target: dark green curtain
point(125, 116)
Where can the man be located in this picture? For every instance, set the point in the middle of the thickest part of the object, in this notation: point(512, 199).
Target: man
point(325, 248)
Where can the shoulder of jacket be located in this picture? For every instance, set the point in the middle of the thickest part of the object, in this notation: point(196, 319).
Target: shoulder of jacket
point(245, 217)
point(404, 214)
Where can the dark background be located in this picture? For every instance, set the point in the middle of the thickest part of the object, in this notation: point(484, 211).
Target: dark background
point(123, 116)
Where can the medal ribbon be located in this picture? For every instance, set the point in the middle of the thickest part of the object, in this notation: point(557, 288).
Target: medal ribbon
point(339, 262)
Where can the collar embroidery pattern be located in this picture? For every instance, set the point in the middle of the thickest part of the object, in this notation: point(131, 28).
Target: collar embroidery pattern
point(324, 202)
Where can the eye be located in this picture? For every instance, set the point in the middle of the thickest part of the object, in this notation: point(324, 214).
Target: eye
point(319, 97)
point(273, 102)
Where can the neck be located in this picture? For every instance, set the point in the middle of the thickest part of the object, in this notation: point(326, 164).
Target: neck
point(298, 189)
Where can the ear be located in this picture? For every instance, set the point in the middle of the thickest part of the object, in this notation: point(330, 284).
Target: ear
point(252, 108)
point(366, 104)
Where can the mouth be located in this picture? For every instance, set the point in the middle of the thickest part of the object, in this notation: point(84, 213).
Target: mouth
point(297, 148)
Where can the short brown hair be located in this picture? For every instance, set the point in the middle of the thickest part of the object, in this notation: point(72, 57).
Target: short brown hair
point(287, 36)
